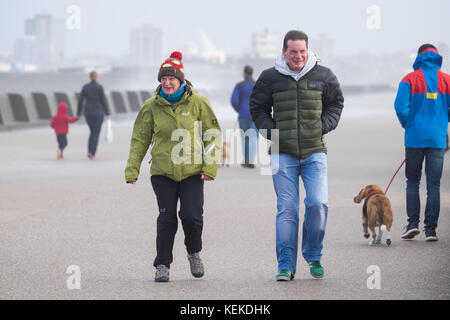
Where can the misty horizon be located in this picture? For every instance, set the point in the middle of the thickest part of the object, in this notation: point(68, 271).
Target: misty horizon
point(104, 29)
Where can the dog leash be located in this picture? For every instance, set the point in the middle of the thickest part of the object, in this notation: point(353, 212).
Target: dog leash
point(401, 165)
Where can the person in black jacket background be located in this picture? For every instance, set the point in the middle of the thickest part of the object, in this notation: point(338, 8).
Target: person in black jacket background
point(306, 101)
point(93, 101)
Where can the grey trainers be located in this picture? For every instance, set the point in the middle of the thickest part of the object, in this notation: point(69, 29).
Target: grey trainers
point(162, 273)
point(196, 263)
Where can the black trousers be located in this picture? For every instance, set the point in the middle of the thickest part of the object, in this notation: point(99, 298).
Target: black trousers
point(94, 119)
point(62, 140)
point(190, 193)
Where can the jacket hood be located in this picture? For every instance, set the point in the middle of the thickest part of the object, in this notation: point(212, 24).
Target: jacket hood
point(62, 108)
point(428, 60)
point(282, 67)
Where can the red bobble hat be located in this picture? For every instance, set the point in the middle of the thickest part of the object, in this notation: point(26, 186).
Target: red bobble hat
point(172, 67)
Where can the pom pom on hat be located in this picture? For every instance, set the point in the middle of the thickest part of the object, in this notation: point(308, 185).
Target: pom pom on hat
point(176, 55)
point(172, 67)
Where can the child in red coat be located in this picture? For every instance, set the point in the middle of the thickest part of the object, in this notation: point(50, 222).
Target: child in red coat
point(60, 123)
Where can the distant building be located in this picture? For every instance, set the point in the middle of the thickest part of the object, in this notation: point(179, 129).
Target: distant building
point(265, 45)
point(5, 67)
point(209, 51)
point(26, 50)
point(146, 46)
point(43, 42)
point(205, 52)
point(323, 47)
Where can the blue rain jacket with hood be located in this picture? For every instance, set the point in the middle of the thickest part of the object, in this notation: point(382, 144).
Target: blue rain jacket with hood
point(423, 102)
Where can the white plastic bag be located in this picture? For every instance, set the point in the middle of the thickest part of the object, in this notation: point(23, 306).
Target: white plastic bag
point(109, 134)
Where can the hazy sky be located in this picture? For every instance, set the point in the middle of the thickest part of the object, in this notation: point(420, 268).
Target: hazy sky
point(106, 24)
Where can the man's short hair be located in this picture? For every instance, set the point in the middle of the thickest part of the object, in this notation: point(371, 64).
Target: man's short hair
point(248, 70)
point(425, 47)
point(93, 75)
point(294, 35)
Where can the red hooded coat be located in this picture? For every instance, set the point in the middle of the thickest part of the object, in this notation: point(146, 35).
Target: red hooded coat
point(60, 121)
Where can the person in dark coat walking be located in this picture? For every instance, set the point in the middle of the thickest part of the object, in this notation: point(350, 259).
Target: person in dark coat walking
point(302, 101)
point(240, 100)
point(93, 101)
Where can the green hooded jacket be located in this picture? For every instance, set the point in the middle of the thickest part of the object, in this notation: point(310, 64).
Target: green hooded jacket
point(185, 137)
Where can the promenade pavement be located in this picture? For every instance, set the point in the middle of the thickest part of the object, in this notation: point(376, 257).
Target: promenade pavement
point(76, 212)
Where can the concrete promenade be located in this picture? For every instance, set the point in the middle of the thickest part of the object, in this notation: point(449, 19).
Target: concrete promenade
point(55, 214)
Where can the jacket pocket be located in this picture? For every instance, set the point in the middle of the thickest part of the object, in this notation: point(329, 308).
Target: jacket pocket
point(161, 165)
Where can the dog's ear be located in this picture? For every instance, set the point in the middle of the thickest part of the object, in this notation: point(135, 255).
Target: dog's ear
point(361, 195)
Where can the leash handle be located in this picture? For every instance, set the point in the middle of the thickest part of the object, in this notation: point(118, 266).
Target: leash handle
point(401, 165)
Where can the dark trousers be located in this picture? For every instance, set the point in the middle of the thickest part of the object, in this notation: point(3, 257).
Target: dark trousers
point(434, 162)
point(94, 119)
point(62, 140)
point(190, 193)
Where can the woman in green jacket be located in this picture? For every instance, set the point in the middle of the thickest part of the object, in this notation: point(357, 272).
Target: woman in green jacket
point(185, 138)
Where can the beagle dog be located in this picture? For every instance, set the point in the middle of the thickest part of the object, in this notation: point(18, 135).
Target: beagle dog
point(376, 213)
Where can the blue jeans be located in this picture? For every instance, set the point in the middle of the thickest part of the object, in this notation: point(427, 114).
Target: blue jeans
point(94, 119)
point(434, 162)
point(287, 170)
point(249, 139)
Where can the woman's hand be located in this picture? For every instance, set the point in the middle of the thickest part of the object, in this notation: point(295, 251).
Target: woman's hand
point(132, 182)
point(206, 178)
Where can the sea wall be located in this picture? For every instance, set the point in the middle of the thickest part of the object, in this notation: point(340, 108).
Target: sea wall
point(19, 110)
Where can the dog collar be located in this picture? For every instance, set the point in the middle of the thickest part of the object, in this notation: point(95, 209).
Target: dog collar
point(372, 192)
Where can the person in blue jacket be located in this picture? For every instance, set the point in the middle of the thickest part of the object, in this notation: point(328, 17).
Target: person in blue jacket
point(423, 108)
point(240, 100)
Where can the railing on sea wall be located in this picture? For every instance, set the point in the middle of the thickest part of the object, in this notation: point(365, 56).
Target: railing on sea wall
point(19, 110)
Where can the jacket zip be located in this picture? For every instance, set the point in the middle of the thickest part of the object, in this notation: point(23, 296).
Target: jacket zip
point(298, 118)
point(310, 72)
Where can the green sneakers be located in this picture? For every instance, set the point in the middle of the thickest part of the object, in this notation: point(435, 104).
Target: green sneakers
point(316, 269)
point(284, 275)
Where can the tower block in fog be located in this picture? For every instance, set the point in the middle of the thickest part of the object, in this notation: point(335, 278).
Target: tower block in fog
point(146, 45)
point(265, 45)
point(43, 43)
